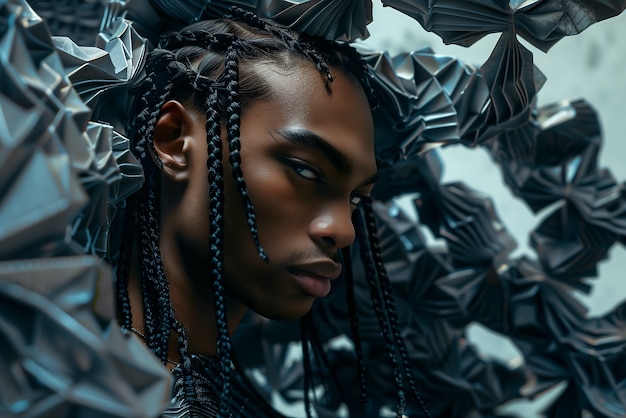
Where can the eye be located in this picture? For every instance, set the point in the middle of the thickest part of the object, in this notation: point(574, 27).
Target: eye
point(305, 171)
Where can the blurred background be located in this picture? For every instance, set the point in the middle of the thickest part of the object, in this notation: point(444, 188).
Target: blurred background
point(591, 65)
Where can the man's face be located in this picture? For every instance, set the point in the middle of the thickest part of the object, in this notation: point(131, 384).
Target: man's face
point(307, 156)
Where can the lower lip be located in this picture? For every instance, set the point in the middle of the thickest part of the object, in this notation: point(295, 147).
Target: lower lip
point(316, 286)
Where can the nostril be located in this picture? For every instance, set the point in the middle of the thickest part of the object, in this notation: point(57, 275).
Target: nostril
point(329, 241)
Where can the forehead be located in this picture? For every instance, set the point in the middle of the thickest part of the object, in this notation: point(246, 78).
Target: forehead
point(300, 100)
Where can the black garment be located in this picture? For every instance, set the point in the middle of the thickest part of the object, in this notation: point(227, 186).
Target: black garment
point(207, 389)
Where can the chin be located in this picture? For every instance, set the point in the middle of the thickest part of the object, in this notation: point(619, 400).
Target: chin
point(285, 312)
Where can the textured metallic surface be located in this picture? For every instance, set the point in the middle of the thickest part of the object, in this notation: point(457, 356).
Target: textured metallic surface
point(63, 353)
point(63, 180)
point(79, 19)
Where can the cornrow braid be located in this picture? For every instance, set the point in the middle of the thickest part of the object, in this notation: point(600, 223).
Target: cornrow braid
point(372, 280)
point(385, 286)
point(232, 125)
point(152, 273)
point(354, 329)
point(200, 38)
point(247, 17)
point(216, 245)
point(123, 268)
point(320, 64)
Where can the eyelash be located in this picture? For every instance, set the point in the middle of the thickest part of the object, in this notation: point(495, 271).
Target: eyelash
point(299, 167)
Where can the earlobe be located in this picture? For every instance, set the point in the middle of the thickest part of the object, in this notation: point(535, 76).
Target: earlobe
point(170, 141)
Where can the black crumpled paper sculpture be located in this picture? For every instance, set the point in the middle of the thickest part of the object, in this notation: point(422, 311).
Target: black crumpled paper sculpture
point(79, 19)
point(540, 22)
point(340, 20)
point(553, 160)
point(597, 350)
point(430, 100)
point(415, 104)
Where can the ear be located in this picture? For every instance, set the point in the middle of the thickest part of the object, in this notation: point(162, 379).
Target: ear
point(171, 140)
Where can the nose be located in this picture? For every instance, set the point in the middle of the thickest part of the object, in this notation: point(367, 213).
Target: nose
point(333, 227)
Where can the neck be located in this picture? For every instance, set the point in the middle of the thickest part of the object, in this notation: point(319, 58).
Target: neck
point(194, 309)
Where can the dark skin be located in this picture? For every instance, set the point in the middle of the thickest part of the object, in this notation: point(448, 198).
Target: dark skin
point(307, 157)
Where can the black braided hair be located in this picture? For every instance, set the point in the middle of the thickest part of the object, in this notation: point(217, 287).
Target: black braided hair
point(123, 267)
point(208, 65)
point(378, 303)
point(354, 329)
point(232, 125)
point(390, 308)
point(157, 312)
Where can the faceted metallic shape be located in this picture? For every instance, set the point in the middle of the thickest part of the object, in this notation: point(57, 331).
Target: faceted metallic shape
point(417, 174)
point(63, 351)
point(337, 20)
point(112, 175)
point(43, 148)
point(38, 204)
point(188, 11)
point(542, 312)
point(438, 101)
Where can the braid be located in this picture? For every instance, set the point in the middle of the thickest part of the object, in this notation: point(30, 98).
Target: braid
point(320, 63)
point(155, 288)
point(177, 40)
point(216, 244)
point(189, 391)
point(354, 328)
point(372, 281)
point(385, 286)
point(247, 17)
point(123, 268)
point(233, 122)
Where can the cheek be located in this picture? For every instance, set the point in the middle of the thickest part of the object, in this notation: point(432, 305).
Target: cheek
point(280, 204)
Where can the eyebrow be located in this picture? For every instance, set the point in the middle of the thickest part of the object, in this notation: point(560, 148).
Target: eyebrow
point(313, 140)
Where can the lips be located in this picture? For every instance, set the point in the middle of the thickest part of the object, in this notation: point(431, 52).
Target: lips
point(314, 278)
